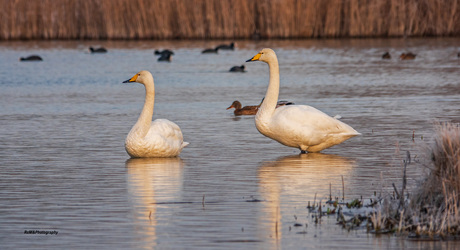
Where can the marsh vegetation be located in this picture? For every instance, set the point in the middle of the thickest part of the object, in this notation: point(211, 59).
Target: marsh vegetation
point(215, 19)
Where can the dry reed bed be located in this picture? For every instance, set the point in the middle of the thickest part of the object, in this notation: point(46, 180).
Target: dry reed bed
point(220, 19)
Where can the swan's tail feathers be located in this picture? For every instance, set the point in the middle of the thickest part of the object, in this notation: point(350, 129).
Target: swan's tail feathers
point(349, 135)
point(184, 144)
point(348, 130)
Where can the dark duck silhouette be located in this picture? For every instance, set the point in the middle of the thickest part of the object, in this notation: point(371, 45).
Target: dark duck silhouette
point(165, 55)
point(386, 55)
point(231, 46)
point(31, 58)
point(164, 52)
point(407, 56)
point(237, 69)
point(98, 50)
point(210, 51)
point(165, 58)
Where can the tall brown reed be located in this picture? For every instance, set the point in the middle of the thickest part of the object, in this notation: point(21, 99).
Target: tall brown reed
point(220, 19)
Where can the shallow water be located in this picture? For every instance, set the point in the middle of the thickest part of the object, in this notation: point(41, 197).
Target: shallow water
point(63, 123)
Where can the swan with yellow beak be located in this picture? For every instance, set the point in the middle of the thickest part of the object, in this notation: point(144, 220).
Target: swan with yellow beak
point(299, 126)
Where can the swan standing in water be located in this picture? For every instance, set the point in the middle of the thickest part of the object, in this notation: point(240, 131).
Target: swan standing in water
point(160, 138)
point(297, 126)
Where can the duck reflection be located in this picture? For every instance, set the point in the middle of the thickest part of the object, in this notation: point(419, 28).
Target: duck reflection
point(292, 181)
point(150, 181)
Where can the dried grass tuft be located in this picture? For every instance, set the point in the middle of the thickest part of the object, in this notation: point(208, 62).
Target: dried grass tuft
point(445, 167)
point(434, 207)
point(436, 203)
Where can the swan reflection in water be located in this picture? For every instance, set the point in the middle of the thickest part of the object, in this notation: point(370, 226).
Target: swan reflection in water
point(150, 181)
point(291, 181)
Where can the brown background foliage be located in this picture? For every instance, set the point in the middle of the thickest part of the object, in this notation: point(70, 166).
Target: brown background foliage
point(226, 19)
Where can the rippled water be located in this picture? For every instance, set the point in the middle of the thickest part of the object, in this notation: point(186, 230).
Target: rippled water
point(63, 122)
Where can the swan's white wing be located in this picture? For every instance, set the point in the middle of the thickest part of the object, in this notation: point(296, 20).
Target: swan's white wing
point(306, 125)
point(166, 128)
point(165, 135)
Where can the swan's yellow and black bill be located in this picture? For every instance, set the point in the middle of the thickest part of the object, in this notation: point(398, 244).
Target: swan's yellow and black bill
point(255, 58)
point(133, 79)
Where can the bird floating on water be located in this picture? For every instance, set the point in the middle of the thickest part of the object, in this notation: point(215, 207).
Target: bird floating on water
point(237, 69)
point(252, 110)
point(210, 51)
point(160, 138)
point(31, 58)
point(386, 55)
point(163, 52)
point(98, 50)
point(246, 110)
point(165, 55)
point(165, 58)
point(299, 126)
point(230, 46)
point(407, 56)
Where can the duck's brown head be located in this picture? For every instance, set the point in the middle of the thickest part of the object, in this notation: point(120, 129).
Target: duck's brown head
point(235, 105)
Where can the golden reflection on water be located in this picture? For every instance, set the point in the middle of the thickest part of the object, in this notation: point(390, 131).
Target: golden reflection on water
point(150, 181)
point(295, 179)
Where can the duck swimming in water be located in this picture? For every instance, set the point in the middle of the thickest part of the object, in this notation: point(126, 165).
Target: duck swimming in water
point(231, 46)
point(98, 50)
point(246, 110)
point(165, 55)
point(210, 51)
point(252, 110)
point(407, 56)
point(237, 69)
point(386, 55)
point(163, 52)
point(31, 58)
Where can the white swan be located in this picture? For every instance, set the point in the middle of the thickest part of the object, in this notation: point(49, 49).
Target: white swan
point(297, 126)
point(160, 138)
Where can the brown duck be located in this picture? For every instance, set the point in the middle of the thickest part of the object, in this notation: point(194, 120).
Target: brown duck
point(246, 110)
point(407, 56)
point(252, 110)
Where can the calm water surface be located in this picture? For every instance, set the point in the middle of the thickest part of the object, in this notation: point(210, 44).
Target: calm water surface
point(63, 122)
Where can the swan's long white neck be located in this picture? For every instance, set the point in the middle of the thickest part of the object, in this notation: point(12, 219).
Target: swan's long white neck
point(271, 97)
point(142, 126)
